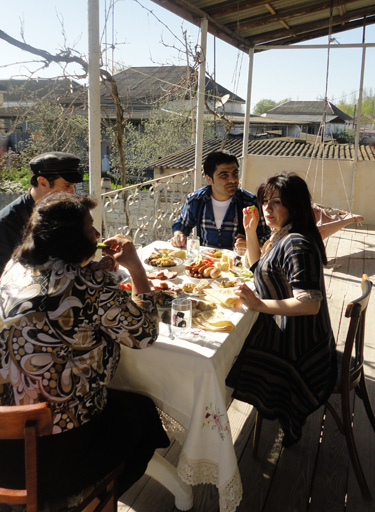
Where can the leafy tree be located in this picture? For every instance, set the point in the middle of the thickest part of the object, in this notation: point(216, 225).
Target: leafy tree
point(265, 105)
point(368, 106)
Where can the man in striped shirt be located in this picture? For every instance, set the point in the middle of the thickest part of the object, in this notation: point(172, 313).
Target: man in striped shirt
point(216, 209)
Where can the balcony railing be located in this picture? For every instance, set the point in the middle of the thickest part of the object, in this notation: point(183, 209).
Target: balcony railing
point(145, 212)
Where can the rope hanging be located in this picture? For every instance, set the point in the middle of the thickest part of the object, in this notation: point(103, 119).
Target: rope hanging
point(320, 137)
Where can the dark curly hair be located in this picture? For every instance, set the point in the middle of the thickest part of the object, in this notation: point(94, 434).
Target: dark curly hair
point(217, 158)
point(56, 229)
point(295, 196)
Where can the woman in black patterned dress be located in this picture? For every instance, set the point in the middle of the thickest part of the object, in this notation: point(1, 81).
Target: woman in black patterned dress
point(63, 318)
point(287, 367)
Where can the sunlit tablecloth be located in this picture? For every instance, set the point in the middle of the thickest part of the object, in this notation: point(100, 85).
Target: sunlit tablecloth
point(186, 380)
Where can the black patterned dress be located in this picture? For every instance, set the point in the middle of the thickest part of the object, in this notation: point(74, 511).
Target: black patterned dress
point(287, 367)
point(61, 327)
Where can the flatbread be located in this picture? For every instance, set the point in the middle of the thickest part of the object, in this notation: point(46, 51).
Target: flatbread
point(224, 296)
point(213, 321)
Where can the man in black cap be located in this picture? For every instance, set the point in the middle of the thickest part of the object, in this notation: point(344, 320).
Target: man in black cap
point(52, 172)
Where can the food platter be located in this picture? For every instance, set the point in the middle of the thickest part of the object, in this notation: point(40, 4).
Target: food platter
point(163, 262)
point(214, 254)
point(162, 274)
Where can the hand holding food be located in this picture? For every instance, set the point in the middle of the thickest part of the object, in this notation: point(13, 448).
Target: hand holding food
point(123, 251)
point(250, 218)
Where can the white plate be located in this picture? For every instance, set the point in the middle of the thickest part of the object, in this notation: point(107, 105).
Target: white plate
point(193, 295)
point(178, 263)
point(205, 255)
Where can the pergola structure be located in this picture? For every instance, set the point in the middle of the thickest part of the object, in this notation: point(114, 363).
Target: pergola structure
point(251, 26)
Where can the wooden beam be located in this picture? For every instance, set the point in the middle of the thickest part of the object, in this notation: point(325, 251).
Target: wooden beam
point(314, 26)
point(284, 15)
point(234, 7)
point(189, 12)
point(315, 34)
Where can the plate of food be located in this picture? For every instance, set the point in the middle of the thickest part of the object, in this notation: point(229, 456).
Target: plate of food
point(155, 260)
point(215, 254)
point(195, 290)
point(203, 268)
point(162, 274)
point(164, 298)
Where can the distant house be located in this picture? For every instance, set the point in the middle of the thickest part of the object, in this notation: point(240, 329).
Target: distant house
point(18, 96)
point(142, 88)
point(308, 116)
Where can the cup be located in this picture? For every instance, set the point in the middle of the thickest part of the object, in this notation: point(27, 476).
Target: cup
point(181, 316)
point(192, 247)
point(240, 256)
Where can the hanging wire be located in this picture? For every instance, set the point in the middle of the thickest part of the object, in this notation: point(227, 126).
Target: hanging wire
point(113, 36)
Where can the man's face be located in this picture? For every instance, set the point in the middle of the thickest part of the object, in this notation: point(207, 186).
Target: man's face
point(61, 185)
point(225, 181)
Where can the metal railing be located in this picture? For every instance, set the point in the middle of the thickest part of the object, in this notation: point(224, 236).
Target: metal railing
point(146, 211)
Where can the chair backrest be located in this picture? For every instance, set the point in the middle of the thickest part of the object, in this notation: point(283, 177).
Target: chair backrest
point(25, 422)
point(356, 310)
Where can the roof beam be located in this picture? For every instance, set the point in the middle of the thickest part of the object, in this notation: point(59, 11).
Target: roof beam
point(300, 30)
point(235, 7)
point(285, 15)
point(187, 11)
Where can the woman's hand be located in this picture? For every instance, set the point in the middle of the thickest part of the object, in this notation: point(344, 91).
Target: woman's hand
point(107, 263)
point(248, 297)
point(123, 251)
point(250, 218)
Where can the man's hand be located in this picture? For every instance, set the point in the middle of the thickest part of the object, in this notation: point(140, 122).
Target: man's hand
point(179, 239)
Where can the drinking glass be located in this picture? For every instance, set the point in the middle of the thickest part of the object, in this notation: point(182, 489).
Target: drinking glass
point(240, 257)
point(192, 247)
point(181, 316)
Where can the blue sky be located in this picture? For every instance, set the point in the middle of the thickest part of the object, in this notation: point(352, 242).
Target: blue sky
point(146, 39)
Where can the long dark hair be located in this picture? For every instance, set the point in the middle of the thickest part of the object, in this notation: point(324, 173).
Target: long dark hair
point(56, 229)
point(295, 196)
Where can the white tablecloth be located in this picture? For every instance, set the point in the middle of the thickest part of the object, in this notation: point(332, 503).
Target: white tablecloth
point(186, 380)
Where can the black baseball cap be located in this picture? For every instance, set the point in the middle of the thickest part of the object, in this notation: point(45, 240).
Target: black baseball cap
point(65, 165)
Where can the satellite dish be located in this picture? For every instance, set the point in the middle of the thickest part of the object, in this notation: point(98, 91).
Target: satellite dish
point(219, 102)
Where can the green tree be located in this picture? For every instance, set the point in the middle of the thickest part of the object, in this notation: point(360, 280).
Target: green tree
point(265, 105)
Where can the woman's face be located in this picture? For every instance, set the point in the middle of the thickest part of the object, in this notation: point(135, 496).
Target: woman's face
point(91, 234)
point(275, 213)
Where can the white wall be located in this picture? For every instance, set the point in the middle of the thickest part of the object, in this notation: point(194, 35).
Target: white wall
point(336, 175)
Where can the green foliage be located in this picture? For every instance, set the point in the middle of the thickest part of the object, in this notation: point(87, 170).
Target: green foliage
point(13, 179)
point(368, 106)
point(265, 105)
point(344, 137)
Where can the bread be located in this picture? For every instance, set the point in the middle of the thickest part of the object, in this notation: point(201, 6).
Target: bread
point(225, 297)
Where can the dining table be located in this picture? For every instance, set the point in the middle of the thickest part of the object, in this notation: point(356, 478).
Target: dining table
point(185, 377)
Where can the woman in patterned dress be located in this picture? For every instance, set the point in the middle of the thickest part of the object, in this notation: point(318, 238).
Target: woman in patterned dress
point(63, 318)
point(287, 367)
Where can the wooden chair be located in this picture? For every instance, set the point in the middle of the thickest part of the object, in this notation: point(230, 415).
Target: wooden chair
point(28, 422)
point(351, 376)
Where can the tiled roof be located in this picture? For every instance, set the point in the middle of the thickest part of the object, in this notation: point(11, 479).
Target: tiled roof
point(147, 84)
point(305, 109)
point(281, 147)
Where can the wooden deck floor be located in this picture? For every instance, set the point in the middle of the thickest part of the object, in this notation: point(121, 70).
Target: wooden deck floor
point(311, 476)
